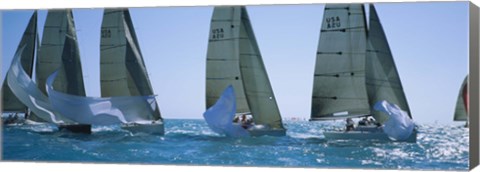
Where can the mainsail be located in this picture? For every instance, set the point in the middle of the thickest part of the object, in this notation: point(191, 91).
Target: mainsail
point(382, 79)
point(59, 50)
point(122, 69)
point(339, 78)
point(461, 109)
point(233, 57)
point(10, 102)
point(223, 57)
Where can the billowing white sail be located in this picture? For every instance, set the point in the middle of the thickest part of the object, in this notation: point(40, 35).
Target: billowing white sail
point(398, 125)
point(219, 117)
point(10, 102)
point(122, 69)
point(382, 79)
point(28, 93)
point(461, 109)
point(233, 58)
point(59, 50)
point(100, 110)
point(339, 78)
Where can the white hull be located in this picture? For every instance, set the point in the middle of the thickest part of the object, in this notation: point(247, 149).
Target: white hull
point(155, 127)
point(367, 133)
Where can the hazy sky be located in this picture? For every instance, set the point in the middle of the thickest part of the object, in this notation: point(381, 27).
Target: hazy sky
point(429, 42)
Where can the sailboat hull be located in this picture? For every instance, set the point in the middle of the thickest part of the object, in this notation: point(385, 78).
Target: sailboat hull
point(155, 127)
point(76, 128)
point(365, 134)
point(260, 130)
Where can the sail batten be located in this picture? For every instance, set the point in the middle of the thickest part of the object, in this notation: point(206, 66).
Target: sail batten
point(339, 76)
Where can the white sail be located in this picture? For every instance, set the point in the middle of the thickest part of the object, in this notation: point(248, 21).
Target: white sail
point(122, 68)
point(233, 58)
point(223, 57)
point(461, 113)
point(100, 110)
point(339, 78)
point(219, 117)
point(382, 79)
point(27, 91)
point(10, 102)
point(398, 126)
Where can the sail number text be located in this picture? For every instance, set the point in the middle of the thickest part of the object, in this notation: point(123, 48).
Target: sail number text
point(333, 22)
point(217, 33)
point(106, 33)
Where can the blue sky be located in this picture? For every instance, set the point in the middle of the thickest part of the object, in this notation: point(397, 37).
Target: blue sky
point(429, 42)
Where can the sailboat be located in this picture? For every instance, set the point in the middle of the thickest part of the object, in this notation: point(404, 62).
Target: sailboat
point(461, 109)
point(233, 58)
point(10, 103)
point(59, 50)
point(54, 54)
point(353, 72)
point(122, 68)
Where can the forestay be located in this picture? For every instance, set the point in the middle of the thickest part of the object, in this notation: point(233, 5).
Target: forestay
point(339, 78)
point(219, 117)
point(122, 68)
point(382, 78)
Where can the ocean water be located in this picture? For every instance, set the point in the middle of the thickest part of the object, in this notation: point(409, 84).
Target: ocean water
point(191, 142)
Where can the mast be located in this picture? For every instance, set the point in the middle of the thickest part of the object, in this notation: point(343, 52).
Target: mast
point(122, 68)
point(10, 102)
point(223, 57)
point(258, 89)
point(382, 78)
point(339, 89)
point(461, 109)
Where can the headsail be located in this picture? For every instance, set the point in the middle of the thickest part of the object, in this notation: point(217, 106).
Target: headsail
point(258, 90)
point(59, 50)
point(10, 102)
point(223, 57)
point(382, 78)
point(461, 109)
point(339, 79)
point(122, 69)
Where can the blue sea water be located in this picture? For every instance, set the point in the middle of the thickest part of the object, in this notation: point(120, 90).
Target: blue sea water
point(191, 142)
